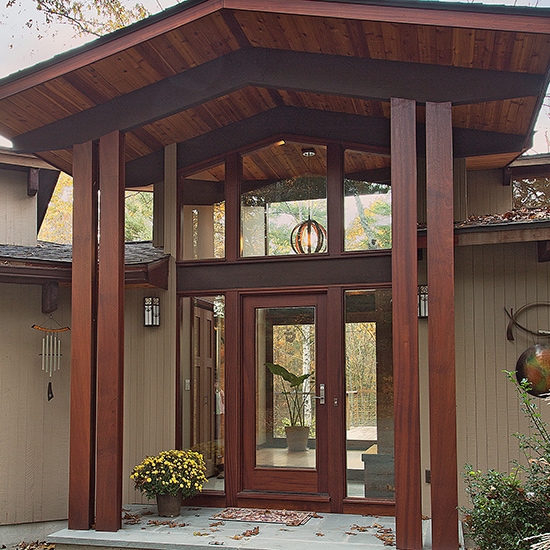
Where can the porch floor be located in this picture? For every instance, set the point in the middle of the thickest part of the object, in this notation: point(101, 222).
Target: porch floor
point(194, 529)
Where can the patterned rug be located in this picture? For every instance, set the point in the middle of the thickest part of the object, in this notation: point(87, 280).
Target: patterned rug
point(263, 515)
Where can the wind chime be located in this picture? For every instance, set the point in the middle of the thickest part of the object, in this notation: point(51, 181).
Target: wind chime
point(51, 349)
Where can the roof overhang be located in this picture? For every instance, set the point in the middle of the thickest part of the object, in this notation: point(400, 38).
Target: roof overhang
point(218, 76)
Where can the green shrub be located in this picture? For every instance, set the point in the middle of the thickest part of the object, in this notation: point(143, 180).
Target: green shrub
point(508, 508)
point(506, 511)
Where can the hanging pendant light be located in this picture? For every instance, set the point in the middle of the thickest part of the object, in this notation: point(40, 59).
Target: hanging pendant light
point(308, 237)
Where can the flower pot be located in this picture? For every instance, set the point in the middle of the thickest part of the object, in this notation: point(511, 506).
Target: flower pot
point(169, 505)
point(296, 438)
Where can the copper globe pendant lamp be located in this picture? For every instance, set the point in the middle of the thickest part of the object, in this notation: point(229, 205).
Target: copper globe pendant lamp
point(308, 237)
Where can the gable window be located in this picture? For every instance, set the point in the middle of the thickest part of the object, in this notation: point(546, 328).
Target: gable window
point(286, 214)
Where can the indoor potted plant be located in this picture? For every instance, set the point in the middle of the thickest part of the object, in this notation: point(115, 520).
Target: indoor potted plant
point(170, 477)
point(296, 398)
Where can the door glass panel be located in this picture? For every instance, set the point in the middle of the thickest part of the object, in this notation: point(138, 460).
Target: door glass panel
point(285, 369)
point(203, 380)
point(369, 395)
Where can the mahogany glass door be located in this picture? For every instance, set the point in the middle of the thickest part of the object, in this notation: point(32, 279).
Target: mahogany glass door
point(284, 399)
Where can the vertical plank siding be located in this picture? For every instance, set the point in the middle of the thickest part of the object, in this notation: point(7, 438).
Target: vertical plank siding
point(490, 278)
point(34, 432)
point(150, 387)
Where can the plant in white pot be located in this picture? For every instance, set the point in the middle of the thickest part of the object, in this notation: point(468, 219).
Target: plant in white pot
point(296, 399)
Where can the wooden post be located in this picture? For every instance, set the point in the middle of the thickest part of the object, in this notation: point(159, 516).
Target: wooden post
point(335, 198)
point(83, 345)
point(233, 177)
point(110, 334)
point(441, 326)
point(405, 325)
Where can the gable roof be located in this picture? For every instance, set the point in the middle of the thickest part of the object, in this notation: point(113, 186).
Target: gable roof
point(217, 76)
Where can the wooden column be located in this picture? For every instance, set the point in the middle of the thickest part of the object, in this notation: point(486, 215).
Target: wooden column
point(110, 334)
point(441, 328)
point(233, 178)
point(335, 198)
point(84, 284)
point(233, 396)
point(405, 325)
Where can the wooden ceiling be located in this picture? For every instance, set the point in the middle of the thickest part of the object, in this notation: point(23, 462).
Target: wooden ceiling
point(217, 76)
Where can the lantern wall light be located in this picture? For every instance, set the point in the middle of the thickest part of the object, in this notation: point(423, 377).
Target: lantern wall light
point(151, 307)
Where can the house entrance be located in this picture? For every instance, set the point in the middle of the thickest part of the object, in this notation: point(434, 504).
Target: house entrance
point(315, 364)
point(286, 389)
point(319, 365)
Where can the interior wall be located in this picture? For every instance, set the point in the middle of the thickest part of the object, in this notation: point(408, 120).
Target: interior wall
point(34, 432)
point(490, 278)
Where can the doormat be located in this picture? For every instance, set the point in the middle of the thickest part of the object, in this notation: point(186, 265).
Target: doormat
point(263, 515)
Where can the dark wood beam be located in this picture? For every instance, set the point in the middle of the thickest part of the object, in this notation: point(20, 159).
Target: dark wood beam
point(285, 272)
point(233, 179)
point(335, 198)
point(369, 132)
point(50, 296)
point(83, 354)
point(110, 334)
point(543, 249)
point(408, 520)
point(362, 78)
point(33, 180)
point(441, 328)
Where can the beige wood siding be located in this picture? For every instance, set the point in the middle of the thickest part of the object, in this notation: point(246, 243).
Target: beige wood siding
point(34, 432)
point(149, 384)
point(18, 212)
point(490, 278)
point(486, 194)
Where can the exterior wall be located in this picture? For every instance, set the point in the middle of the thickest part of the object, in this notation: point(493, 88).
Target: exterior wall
point(34, 432)
point(486, 194)
point(18, 212)
point(149, 385)
point(490, 278)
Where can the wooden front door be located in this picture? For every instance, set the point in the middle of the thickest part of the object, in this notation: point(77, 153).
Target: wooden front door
point(290, 331)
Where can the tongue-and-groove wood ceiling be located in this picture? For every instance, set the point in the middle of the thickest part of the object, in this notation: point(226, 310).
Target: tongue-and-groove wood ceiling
point(239, 75)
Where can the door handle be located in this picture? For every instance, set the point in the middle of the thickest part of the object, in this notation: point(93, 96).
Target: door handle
point(321, 395)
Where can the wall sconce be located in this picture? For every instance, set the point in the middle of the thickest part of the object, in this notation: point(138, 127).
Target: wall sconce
point(151, 310)
point(422, 301)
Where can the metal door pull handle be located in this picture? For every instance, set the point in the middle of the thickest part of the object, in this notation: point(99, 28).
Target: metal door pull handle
point(321, 395)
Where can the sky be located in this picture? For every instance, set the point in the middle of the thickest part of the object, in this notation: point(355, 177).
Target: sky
point(22, 47)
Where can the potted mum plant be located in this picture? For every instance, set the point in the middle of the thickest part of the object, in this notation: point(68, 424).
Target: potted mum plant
point(170, 477)
point(296, 398)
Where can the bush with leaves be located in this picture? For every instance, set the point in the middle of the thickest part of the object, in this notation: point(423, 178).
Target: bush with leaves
point(509, 508)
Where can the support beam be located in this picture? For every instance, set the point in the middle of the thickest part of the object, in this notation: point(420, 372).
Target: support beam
point(543, 249)
point(233, 178)
point(299, 124)
point(110, 334)
point(441, 326)
point(83, 348)
point(50, 295)
point(362, 78)
point(405, 325)
point(335, 198)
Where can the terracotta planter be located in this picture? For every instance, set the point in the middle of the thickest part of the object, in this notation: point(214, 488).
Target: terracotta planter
point(296, 438)
point(169, 505)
